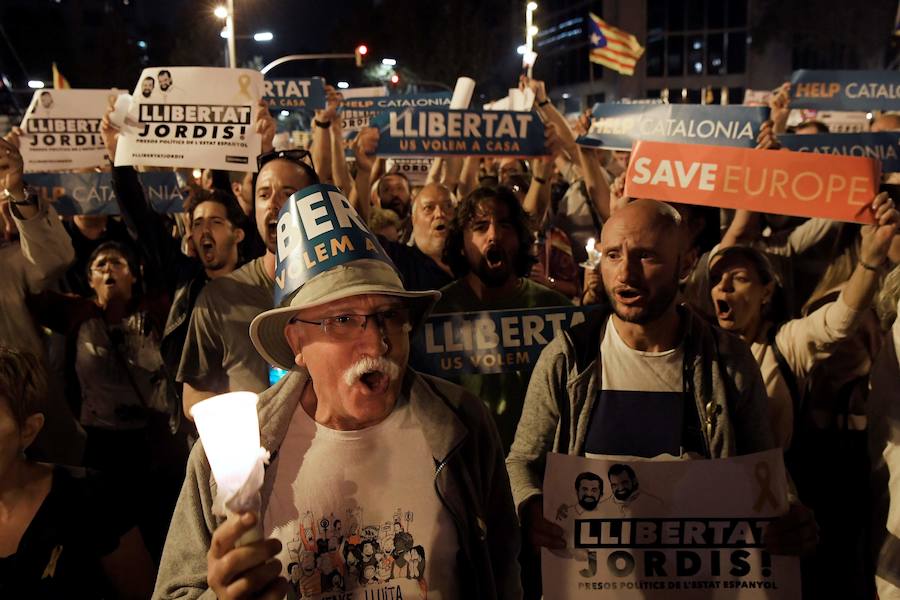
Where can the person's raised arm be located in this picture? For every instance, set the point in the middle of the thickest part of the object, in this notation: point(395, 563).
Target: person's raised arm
point(321, 138)
point(468, 178)
point(875, 241)
point(537, 200)
point(364, 149)
point(342, 178)
point(780, 108)
point(265, 127)
point(43, 241)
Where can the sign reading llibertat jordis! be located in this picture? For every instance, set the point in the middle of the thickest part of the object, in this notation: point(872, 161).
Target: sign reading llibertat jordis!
point(193, 117)
point(62, 130)
point(639, 529)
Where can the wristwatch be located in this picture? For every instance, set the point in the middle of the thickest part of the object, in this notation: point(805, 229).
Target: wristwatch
point(322, 124)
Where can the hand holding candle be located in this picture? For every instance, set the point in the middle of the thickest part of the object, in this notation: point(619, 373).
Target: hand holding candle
point(229, 429)
point(593, 260)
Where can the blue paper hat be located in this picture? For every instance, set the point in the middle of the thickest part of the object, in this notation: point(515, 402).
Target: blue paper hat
point(325, 252)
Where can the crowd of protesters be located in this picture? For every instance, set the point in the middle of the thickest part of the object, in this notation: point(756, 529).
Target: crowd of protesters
point(717, 333)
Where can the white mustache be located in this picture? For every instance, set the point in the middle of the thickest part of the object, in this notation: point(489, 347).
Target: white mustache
point(367, 364)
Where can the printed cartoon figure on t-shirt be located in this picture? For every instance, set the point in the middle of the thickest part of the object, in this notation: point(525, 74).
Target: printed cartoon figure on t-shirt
point(329, 557)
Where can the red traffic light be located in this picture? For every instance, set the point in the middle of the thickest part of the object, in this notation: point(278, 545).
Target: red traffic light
point(362, 49)
point(395, 79)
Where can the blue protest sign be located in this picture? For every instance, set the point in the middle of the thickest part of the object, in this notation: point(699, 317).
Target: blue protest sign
point(489, 341)
point(318, 229)
point(92, 193)
point(303, 94)
point(884, 145)
point(618, 126)
point(845, 90)
point(429, 131)
point(356, 113)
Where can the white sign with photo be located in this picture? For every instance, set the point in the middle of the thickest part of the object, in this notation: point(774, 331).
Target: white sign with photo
point(194, 117)
point(62, 130)
point(666, 529)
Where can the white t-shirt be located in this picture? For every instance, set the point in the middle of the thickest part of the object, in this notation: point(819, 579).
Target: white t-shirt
point(357, 512)
point(640, 409)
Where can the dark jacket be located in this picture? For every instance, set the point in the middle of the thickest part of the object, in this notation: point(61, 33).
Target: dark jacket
point(470, 480)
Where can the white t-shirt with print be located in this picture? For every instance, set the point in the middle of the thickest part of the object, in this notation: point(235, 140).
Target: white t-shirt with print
point(358, 514)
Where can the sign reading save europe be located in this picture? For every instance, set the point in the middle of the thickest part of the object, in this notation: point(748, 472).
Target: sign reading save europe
point(459, 132)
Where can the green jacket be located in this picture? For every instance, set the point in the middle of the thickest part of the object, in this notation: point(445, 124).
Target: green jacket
point(470, 479)
point(565, 384)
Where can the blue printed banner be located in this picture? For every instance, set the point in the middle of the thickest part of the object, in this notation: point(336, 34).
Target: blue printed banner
point(357, 113)
point(618, 126)
point(92, 193)
point(885, 146)
point(431, 131)
point(302, 94)
point(318, 229)
point(845, 90)
point(489, 341)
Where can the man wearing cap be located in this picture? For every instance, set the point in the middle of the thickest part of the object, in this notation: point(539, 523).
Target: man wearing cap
point(382, 480)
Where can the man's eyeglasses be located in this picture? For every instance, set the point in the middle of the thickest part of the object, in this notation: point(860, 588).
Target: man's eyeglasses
point(296, 155)
point(351, 326)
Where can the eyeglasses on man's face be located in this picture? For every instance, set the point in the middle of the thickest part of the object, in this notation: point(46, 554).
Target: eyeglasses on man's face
point(350, 326)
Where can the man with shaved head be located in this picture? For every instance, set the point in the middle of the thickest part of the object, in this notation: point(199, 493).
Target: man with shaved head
point(644, 377)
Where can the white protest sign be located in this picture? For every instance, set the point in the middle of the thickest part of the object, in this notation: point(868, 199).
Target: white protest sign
point(195, 117)
point(415, 168)
point(666, 530)
point(62, 130)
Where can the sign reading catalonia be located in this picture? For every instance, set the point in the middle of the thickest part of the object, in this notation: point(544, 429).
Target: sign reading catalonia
point(845, 90)
point(318, 229)
point(882, 145)
point(426, 132)
point(618, 126)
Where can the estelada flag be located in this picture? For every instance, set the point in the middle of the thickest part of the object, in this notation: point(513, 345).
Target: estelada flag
point(59, 82)
point(611, 47)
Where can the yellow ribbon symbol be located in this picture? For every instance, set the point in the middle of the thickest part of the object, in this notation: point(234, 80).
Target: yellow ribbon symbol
point(50, 569)
point(244, 84)
point(764, 479)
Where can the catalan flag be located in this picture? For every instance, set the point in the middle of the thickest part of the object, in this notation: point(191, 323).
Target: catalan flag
point(59, 82)
point(612, 47)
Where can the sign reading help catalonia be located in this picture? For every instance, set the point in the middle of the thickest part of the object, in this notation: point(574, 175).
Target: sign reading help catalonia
point(317, 230)
point(845, 90)
point(193, 117)
point(459, 132)
point(618, 126)
point(883, 146)
point(356, 113)
point(306, 94)
point(62, 130)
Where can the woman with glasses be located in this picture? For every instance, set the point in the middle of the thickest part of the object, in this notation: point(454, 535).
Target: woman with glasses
point(121, 386)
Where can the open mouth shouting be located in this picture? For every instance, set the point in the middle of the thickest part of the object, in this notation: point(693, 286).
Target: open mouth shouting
point(208, 249)
point(374, 375)
point(494, 257)
point(629, 296)
point(724, 311)
point(110, 281)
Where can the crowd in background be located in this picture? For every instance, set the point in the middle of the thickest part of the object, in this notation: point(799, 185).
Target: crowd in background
point(112, 328)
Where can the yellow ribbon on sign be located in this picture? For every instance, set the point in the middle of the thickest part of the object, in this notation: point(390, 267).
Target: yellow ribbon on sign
point(764, 479)
point(244, 84)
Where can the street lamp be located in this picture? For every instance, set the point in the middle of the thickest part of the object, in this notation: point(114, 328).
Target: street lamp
point(389, 62)
point(227, 13)
point(263, 36)
point(35, 84)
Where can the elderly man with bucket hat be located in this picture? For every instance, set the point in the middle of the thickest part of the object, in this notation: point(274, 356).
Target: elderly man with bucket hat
point(383, 482)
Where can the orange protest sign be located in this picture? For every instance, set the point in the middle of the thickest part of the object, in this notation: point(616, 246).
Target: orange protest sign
point(781, 182)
